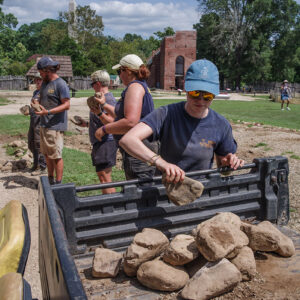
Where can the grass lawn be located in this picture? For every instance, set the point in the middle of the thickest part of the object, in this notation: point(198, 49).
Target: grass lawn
point(261, 111)
point(78, 169)
point(91, 92)
point(4, 101)
point(78, 165)
point(14, 124)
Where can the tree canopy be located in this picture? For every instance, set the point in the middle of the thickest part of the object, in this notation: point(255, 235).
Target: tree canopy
point(250, 41)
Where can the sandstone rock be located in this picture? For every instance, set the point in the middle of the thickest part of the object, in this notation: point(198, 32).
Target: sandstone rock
point(245, 262)
point(185, 192)
point(181, 250)
point(98, 95)
point(212, 280)
point(77, 120)
point(2, 163)
point(266, 237)
point(158, 275)
point(194, 232)
point(27, 157)
point(216, 239)
point(134, 257)
point(92, 103)
point(286, 246)
point(262, 237)
point(106, 263)
point(228, 218)
point(194, 266)
point(18, 143)
point(18, 153)
point(36, 106)
point(145, 246)
point(25, 110)
point(20, 164)
point(151, 238)
point(7, 167)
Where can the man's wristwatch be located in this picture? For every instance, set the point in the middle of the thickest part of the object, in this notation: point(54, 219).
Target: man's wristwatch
point(49, 112)
point(100, 114)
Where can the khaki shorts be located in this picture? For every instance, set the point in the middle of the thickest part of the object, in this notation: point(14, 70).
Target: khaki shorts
point(52, 143)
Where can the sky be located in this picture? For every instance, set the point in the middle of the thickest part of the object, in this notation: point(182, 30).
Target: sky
point(119, 16)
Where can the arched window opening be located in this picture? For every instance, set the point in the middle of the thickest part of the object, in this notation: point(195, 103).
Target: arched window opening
point(179, 72)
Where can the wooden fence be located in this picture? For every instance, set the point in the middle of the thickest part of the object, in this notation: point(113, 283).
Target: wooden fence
point(84, 83)
point(18, 83)
point(275, 91)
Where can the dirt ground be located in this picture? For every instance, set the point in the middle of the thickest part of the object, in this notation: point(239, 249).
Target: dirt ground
point(254, 140)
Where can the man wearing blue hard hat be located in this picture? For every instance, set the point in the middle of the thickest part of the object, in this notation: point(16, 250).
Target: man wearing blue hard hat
point(191, 134)
point(53, 105)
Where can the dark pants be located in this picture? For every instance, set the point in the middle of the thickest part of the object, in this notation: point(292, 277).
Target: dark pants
point(34, 145)
point(135, 168)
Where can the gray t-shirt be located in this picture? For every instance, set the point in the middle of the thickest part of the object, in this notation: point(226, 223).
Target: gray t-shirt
point(51, 94)
point(189, 142)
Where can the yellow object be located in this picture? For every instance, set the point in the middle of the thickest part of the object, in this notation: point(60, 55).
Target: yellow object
point(206, 96)
point(12, 235)
point(11, 286)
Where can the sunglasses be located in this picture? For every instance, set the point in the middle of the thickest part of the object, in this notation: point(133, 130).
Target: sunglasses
point(120, 70)
point(205, 95)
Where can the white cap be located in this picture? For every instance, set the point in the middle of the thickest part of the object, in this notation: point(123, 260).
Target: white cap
point(130, 61)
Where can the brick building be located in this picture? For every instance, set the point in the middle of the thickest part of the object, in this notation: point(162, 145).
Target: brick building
point(169, 63)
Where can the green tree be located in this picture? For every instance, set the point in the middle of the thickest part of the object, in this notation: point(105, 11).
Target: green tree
point(31, 35)
point(51, 35)
point(286, 53)
point(240, 34)
point(88, 26)
point(167, 32)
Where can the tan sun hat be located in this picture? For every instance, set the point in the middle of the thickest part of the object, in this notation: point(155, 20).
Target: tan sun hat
point(285, 81)
point(130, 61)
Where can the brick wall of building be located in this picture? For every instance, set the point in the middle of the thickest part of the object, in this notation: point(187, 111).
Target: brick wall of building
point(163, 62)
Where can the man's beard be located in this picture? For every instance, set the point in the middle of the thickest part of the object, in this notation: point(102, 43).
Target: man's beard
point(46, 78)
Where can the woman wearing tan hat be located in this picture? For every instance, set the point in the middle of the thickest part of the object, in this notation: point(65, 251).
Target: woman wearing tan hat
point(136, 102)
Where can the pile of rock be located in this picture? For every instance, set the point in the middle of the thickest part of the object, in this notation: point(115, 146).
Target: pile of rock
point(23, 158)
point(211, 261)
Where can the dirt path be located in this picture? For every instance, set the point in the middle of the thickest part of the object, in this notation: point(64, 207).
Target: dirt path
point(255, 141)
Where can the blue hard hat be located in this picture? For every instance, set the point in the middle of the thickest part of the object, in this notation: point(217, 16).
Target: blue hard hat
point(202, 75)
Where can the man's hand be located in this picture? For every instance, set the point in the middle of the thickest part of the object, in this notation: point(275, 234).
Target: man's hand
point(101, 100)
point(42, 112)
point(96, 111)
point(173, 173)
point(231, 160)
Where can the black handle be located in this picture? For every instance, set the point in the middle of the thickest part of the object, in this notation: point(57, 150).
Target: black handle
point(156, 178)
